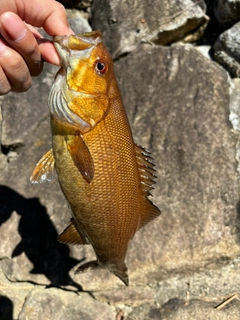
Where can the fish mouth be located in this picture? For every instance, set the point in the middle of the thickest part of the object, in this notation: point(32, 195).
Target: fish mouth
point(76, 45)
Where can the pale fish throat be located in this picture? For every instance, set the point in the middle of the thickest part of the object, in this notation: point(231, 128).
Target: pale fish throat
point(57, 103)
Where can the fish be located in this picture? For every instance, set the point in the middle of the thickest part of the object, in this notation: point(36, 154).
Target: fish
point(105, 176)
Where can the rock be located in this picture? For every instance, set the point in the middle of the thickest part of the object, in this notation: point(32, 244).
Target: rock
point(12, 297)
point(227, 12)
point(215, 282)
point(126, 23)
point(44, 303)
point(234, 115)
point(204, 50)
point(181, 310)
point(77, 21)
point(131, 296)
point(80, 4)
point(179, 110)
point(226, 50)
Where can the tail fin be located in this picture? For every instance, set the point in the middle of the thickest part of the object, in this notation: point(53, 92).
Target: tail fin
point(86, 266)
point(121, 272)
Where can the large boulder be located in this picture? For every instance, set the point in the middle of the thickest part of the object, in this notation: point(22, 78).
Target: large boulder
point(126, 23)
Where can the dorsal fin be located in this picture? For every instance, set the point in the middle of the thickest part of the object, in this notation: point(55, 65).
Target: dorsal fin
point(45, 169)
point(148, 212)
point(146, 171)
point(71, 235)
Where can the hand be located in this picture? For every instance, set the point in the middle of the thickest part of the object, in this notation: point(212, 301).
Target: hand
point(22, 48)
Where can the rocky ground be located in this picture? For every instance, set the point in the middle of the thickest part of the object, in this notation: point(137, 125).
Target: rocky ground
point(177, 63)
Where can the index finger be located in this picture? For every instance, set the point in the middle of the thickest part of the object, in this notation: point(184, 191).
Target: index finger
point(49, 14)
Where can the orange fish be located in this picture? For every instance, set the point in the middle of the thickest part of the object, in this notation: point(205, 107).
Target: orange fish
point(105, 176)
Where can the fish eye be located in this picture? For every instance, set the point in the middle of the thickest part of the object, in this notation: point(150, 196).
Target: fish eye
point(101, 67)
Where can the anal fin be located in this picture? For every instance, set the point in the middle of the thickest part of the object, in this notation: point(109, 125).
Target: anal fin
point(71, 235)
point(81, 156)
point(45, 169)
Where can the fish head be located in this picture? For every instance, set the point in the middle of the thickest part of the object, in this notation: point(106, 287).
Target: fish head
point(86, 61)
point(86, 76)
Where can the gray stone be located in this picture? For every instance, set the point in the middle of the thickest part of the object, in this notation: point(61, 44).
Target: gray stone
point(226, 50)
point(132, 296)
point(77, 21)
point(215, 282)
point(204, 50)
point(227, 11)
point(199, 310)
point(187, 129)
point(12, 297)
point(126, 23)
point(177, 309)
point(79, 4)
point(52, 303)
point(234, 115)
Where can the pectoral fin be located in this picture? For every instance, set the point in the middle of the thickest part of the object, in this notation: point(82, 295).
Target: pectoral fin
point(45, 169)
point(71, 235)
point(81, 156)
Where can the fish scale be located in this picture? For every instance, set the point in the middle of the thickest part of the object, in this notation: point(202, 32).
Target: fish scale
point(105, 177)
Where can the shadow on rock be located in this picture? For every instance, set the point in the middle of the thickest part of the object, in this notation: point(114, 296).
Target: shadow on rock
point(39, 238)
point(6, 308)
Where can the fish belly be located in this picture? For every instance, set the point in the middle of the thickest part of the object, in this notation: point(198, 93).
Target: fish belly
point(106, 209)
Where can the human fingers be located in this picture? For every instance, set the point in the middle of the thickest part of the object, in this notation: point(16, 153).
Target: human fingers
point(14, 73)
point(20, 38)
point(48, 52)
point(49, 14)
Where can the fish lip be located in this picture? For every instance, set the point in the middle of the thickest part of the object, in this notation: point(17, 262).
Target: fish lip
point(66, 45)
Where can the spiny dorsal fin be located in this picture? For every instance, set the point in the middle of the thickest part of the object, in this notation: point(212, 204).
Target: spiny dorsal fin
point(81, 156)
point(45, 169)
point(146, 170)
point(148, 212)
point(71, 235)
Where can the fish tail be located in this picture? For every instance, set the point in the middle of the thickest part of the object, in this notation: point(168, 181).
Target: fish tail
point(86, 266)
point(121, 272)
